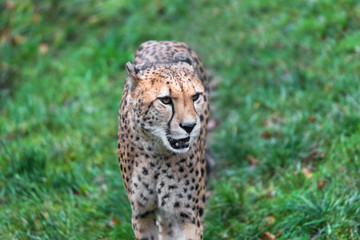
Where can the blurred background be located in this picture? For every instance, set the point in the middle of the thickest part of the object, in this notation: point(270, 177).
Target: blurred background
point(286, 102)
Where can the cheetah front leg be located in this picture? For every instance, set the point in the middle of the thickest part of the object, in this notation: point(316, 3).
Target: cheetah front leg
point(174, 228)
point(166, 228)
point(144, 226)
point(191, 231)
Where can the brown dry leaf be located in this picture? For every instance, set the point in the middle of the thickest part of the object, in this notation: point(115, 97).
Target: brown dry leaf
point(266, 135)
point(267, 123)
point(252, 161)
point(43, 48)
point(311, 119)
point(310, 157)
point(75, 192)
point(269, 220)
point(18, 39)
point(321, 184)
point(114, 221)
point(9, 5)
point(35, 18)
point(306, 172)
point(267, 236)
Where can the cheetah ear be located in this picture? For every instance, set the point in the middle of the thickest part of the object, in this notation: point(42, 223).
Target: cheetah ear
point(132, 74)
point(184, 57)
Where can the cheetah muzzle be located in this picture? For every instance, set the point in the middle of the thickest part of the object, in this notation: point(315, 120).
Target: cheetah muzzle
point(179, 143)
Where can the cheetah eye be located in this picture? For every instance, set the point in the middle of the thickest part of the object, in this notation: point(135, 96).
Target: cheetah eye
point(195, 97)
point(165, 100)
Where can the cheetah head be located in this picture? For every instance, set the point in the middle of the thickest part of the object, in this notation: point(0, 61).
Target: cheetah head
point(167, 101)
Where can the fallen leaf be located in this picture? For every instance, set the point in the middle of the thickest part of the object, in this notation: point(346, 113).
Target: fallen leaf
point(43, 48)
point(35, 18)
point(321, 184)
point(9, 5)
point(114, 221)
point(75, 192)
point(311, 119)
point(252, 161)
point(267, 123)
point(310, 156)
point(269, 220)
point(267, 236)
point(266, 135)
point(18, 39)
point(306, 172)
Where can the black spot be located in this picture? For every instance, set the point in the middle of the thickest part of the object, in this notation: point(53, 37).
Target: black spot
point(145, 171)
point(176, 204)
point(184, 215)
point(156, 175)
point(172, 187)
point(201, 212)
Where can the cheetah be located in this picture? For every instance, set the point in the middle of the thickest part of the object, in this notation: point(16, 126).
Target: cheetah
point(163, 120)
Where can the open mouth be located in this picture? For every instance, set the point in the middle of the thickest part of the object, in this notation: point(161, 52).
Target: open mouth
point(179, 143)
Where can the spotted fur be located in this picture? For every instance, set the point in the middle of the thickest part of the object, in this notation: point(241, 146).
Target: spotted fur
point(161, 145)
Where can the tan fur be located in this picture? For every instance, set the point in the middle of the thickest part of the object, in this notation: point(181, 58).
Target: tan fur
point(159, 178)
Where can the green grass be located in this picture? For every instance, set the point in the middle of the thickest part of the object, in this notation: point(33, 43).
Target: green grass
point(288, 96)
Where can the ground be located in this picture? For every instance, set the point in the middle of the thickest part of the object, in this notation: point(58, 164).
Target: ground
point(287, 102)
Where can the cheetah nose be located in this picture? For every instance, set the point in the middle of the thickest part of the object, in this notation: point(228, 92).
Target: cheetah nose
point(188, 127)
